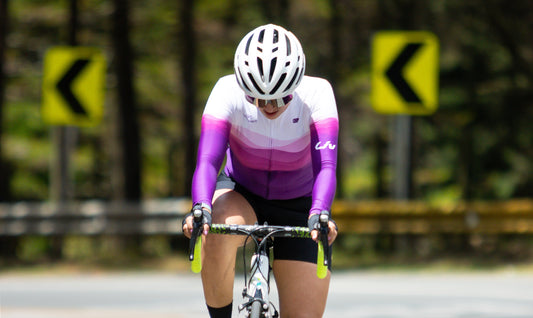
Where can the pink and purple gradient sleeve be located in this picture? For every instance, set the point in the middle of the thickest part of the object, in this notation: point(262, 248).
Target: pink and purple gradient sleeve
point(211, 151)
point(324, 137)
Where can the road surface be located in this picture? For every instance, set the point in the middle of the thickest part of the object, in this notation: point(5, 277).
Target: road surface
point(352, 295)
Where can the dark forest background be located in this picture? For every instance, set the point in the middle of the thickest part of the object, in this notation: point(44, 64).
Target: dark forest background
point(165, 56)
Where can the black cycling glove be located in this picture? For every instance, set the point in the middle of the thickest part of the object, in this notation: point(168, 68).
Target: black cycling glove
point(206, 213)
point(314, 221)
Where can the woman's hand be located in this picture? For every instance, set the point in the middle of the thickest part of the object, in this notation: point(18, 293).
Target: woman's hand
point(314, 224)
point(200, 211)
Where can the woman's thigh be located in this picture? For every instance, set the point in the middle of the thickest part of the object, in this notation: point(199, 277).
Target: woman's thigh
point(301, 292)
point(230, 207)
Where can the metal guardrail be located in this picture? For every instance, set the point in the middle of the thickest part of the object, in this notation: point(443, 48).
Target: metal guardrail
point(93, 217)
point(164, 217)
point(397, 217)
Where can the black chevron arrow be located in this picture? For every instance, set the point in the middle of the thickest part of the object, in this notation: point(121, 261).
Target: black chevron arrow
point(394, 73)
point(64, 86)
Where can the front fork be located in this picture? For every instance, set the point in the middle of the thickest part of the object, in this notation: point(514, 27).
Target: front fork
point(258, 286)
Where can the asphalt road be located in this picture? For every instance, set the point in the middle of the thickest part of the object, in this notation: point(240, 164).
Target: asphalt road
point(352, 295)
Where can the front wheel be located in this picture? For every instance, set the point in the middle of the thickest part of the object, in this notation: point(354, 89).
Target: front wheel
point(256, 309)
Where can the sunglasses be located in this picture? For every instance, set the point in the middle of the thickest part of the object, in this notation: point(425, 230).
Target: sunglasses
point(280, 102)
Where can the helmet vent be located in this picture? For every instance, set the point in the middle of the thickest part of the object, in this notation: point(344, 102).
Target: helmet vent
point(260, 66)
point(278, 84)
point(272, 67)
point(261, 36)
point(293, 79)
point(255, 84)
point(241, 79)
point(276, 37)
point(288, 46)
point(247, 49)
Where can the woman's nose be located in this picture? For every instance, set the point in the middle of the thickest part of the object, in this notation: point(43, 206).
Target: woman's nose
point(269, 105)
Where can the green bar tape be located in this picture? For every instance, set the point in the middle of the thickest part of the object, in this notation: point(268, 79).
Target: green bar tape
point(196, 264)
point(321, 269)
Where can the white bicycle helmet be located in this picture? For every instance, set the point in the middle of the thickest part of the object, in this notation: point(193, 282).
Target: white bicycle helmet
point(269, 63)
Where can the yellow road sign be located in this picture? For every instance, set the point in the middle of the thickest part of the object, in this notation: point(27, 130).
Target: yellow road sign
point(73, 86)
point(405, 72)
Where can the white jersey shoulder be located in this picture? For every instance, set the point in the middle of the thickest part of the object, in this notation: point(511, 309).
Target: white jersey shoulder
point(317, 94)
point(313, 93)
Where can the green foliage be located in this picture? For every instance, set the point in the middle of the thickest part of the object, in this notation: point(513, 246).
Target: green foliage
point(33, 248)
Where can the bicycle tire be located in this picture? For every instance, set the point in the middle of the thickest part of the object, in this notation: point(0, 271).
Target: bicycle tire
point(256, 309)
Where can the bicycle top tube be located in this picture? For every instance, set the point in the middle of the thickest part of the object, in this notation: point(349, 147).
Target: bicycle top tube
point(260, 231)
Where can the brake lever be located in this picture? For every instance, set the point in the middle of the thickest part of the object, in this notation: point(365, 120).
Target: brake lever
point(196, 230)
point(324, 230)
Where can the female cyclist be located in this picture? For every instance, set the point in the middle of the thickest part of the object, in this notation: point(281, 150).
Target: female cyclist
point(278, 131)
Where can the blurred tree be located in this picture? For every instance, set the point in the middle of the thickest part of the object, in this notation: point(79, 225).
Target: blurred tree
point(334, 72)
point(4, 175)
point(8, 245)
point(129, 188)
point(510, 25)
point(276, 11)
point(494, 76)
point(187, 35)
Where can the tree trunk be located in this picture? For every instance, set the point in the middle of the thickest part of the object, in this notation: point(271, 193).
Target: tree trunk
point(8, 245)
point(128, 125)
point(4, 177)
point(188, 82)
point(335, 23)
point(276, 11)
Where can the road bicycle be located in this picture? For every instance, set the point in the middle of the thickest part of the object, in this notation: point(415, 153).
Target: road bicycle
point(256, 289)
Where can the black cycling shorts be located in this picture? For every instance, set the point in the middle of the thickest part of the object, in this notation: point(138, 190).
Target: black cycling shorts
point(293, 212)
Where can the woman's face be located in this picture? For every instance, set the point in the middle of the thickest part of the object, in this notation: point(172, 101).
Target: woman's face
point(270, 108)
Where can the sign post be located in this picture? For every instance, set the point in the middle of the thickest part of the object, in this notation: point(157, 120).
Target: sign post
point(73, 95)
point(404, 83)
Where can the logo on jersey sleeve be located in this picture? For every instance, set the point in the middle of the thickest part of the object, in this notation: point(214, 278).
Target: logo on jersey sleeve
point(327, 144)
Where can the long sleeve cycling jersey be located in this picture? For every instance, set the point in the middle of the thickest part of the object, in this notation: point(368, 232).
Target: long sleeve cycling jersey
point(292, 156)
